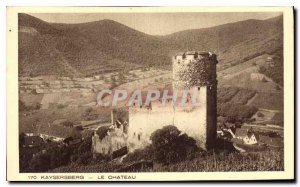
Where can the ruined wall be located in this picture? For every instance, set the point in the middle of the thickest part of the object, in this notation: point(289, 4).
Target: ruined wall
point(110, 143)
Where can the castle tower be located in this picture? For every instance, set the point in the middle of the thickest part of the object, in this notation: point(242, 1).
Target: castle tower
point(192, 71)
point(197, 71)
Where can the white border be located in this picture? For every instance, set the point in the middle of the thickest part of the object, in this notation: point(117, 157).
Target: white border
point(12, 109)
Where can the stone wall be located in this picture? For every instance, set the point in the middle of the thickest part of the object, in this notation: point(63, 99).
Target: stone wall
point(190, 120)
point(113, 141)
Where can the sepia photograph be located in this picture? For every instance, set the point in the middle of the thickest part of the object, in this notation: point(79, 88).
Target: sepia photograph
point(152, 92)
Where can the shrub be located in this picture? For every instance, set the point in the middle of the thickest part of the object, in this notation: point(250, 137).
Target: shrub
point(102, 132)
point(170, 145)
point(83, 159)
point(139, 155)
point(59, 156)
point(223, 146)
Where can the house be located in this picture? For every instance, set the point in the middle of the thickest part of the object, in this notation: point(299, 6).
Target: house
point(251, 139)
point(247, 136)
point(32, 141)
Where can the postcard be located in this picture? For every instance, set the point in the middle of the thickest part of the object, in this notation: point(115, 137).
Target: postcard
point(150, 93)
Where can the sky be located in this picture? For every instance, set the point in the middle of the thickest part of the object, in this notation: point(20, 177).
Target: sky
point(158, 23)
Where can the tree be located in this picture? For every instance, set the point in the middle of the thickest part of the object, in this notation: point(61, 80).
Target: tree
point(40, 163)
point(170, 145)
point(102, 132)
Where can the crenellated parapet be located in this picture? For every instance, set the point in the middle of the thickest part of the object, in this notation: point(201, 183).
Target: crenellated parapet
point(194, 69)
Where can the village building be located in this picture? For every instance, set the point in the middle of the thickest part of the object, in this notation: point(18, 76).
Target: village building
point(248, 137)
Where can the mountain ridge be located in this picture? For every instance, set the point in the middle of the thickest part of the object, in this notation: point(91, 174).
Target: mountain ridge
point(102, 46)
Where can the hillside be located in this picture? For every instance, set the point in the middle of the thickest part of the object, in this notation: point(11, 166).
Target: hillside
point(234, 43)
point(45, 49)
point(106, 45)
point(121, 42)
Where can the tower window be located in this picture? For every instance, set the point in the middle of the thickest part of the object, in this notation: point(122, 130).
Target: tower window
point(199, 88)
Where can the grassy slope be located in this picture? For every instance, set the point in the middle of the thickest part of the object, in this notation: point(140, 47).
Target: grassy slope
point(59, 51)
point(265, 161)
point(233, 42)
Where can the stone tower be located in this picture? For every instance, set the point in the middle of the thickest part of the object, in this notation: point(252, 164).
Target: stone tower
point(194, 72)
point(197, 71)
